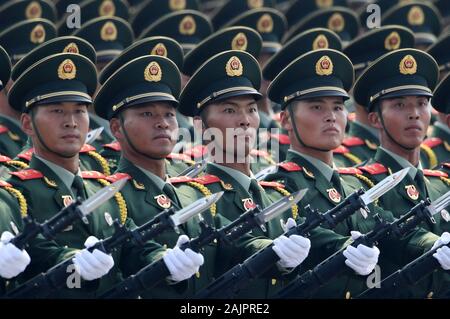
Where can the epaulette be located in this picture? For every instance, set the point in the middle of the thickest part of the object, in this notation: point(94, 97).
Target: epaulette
point(206, 179)
point(349, 171)
point(432, 142)
point(92, 175)
point(198, 151)
point(180, 179)
point(259, 153)
point(3, 129)
point(352, 141)
point(27, 174)
point(271, 184)
point(374, 169)
point(26, 155)
point(290, 166)
point(5, 184)
point(115, 146)
point(282, 138)
point(87, 148)
point(431, 172)
point(4, 158)
point(180, 156)
point(341, 149)
point(117, 176)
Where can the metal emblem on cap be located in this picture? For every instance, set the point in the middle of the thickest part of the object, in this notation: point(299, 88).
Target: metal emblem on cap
point(324, 66)
point(153, 72)
point(416, 16)
point(412, 192)
point(176, 5)
point(336, 22)
point(239, 42)
point(408, 65)
point(254, 4)
point(67, 70)
point(71, 48)
point(108, 32)
point(159, 49)
point(323, 4)
point(163, 201)
point(392, 41)
point(107, 8)
point(320, 42)
point(234, 67)
point(265, 24)
point(33, 10)
point(37, 35)
point(187, 26)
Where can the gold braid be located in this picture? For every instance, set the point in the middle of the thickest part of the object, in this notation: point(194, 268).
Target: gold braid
point(101, 160)
point(294, 207)
point(19, 164)
point(445, 180)
point(355, 159)
point(367, 181)
point(205, 191)
point(22, 201)
point(119, 199)
point(431, 155)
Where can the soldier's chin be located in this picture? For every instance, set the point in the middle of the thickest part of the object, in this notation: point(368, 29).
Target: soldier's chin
point(68, 154)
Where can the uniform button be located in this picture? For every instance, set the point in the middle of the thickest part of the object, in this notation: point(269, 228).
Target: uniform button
point(197, 274)
point(430, 295)
point(274, 281)
point(165, 246)
point(348, 295)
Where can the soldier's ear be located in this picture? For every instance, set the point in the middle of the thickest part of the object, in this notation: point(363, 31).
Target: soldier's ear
point(285, 120)
point(374, 120)
point(114, 125)
point(27, 126)
point(447, 119)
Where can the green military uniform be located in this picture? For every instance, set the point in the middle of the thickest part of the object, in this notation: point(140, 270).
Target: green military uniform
point(49, 81)
point(328, 186)
point(362, 140)
point(148, 194)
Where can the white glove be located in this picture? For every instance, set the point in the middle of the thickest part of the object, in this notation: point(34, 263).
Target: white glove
point(293, 250)
point(92, 265)
point(361, 259)
point(182, 264)
point(12, 260)
point(443, 253)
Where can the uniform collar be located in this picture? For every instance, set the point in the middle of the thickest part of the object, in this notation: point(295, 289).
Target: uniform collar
point(158, 181)
point(403, 163)
point(239, 177)
point(320, 166)
point(66, 176)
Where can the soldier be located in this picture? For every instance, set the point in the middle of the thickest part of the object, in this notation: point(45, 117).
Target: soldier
point(315, 117)
point(53, 97)
point(435, 149)
point(223, 93)
point(142, 116)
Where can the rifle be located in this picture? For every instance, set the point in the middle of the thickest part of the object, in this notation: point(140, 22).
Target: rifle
point(416, 269)
point(56, 277)
point(309, 282)
point(156, 272)
point(241, 275)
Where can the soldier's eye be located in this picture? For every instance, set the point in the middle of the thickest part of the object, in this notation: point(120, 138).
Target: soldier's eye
point(229, 110)
point(146, 114)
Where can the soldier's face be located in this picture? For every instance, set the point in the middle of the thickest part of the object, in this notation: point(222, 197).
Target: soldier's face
point(62, 126)
point(151, 128)
point(405, 118)
point(237, 119)
point(320, 122)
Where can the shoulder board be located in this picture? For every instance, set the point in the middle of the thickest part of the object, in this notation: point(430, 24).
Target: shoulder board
point(259, 153)
point(341, 150)
point(27, 174)
point(196, 151)
point(26, 155)
point(180, 179)
point(115, 146)
point(87, 148)
point(352, 141)
point(430, 172)
point(290, 166)
point(432, 142)
point(178, 156)
point(92, 175)
point(117, 176)
point(4, 158)
point(206, 179)
point(3, 129)
point(282, 138)
point(271, 184)
point(374, 169)
point(5, 184)
point(349, 170)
